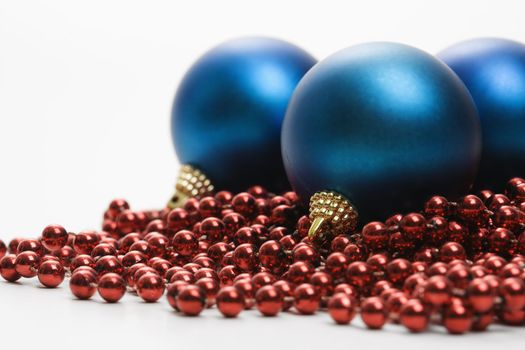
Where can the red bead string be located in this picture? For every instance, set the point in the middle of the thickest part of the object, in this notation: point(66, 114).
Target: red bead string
point(456, 264)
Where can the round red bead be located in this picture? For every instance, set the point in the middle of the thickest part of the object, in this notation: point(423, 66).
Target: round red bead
point(269, 300)
point(83, 284)
point(150, 287)
point(341, 308)
point(51, 273)
point(54, 237)
point(373, 312)
point(230, 301)
point(111, 287)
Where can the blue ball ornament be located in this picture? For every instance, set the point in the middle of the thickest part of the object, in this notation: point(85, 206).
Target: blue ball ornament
point(494, 72)
point(386, 126)
point(228, 111)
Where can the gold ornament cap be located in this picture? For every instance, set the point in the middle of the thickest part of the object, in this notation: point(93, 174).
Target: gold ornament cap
point(190, 183)
point(331, 212)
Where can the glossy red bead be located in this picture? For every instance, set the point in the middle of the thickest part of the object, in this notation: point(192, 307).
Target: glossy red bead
point(143, 248)
point(244, 257)
point(3, 249)
point(286, 290)
point(414, 316)
point(323, 282)
point(457, 232)
point(158, 244)
point(224, 197)
point(471, 208)
point(437, 291)
point(230, 301)
point(233, 222)
point(27, 263)
point(457, 318)
point(452, 251)
point(65, 255)
point(400, 244)
point(103, 249)
point(378, 263)
point(111, 287)
point(245, 235)
point(210, 287)
point(150, 287)
point(460, 277)
point(271, 254)
point(30, 245)
point(436, 206)
point(307, 299)
point(375, 236)
point(12, 246)
point(307, 253)
point(414, 283)
point(51, 274)
point(107, 264)
point(269, 300)
point(178, 219)
point(182, 275)
point(501, 241)
point(497, 200)
point(413, 226)
point(341, 308)
point(245, 286)
point(393, 304)
point(512, 290)
point(172, 292)
point(482, 321)
point(185, 243)
point(512, 317)
point(244, 204)
point(85, 241)
point(494, 264)
point(133, 257)
point(8, 268)
point(54, 237)
point(359, 274)
point(300, 272)
point(480, 295)
point(83, 284)
point(339, 243)
point(398, 270)
point(227, 275)
point(336, 264)
point(373, 312)
point(209, 206)
point(262, 279)
point(213, 228)
point(507, 217)
point(116, 207)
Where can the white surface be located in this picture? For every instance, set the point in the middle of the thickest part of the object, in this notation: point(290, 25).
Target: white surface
point(52, 318)
point(85, 97)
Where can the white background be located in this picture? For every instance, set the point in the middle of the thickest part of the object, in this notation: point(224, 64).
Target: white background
point(85, 97)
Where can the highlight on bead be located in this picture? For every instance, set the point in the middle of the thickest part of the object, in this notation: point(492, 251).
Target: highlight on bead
point(462, 263)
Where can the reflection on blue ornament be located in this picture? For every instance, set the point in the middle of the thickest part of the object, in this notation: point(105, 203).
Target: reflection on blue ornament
point(494, 72)
point(384, 124)
point(228, 111)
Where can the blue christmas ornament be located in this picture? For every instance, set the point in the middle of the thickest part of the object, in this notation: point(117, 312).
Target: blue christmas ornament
point(227, 115)
point(494, 72)
point(377, 129)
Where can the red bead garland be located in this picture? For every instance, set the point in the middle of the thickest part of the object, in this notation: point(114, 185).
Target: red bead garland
point(458, 264)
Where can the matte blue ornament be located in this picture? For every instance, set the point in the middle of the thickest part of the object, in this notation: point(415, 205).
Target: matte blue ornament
point(494, 72)
point(383, 124)
point(228, 111)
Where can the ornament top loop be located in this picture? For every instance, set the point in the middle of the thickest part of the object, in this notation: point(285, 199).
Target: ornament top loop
point(190, 183)
point(329, 211)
